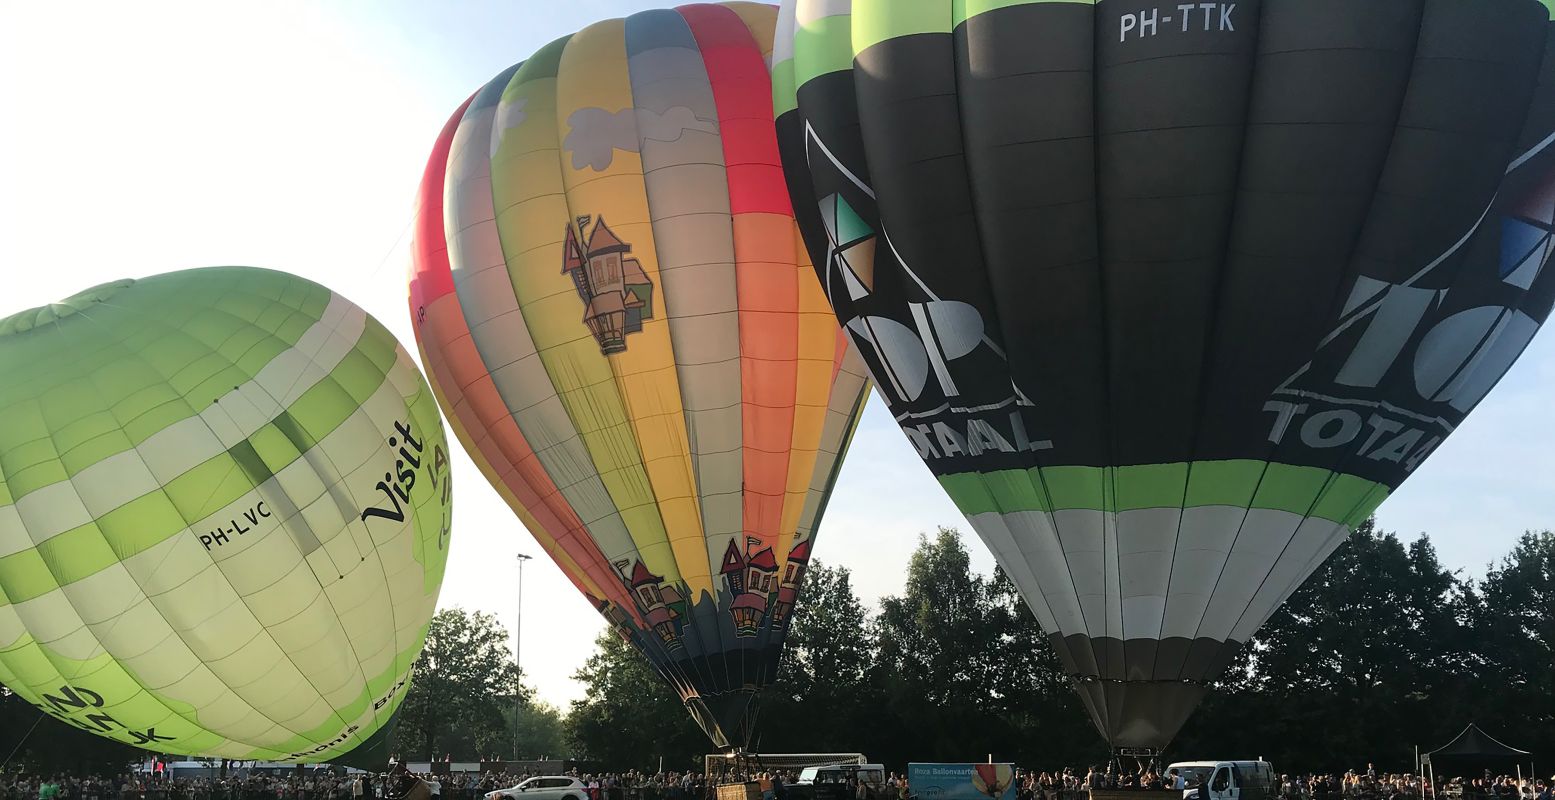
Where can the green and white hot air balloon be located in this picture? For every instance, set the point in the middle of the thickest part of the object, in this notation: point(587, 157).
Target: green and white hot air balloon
point(224, 516)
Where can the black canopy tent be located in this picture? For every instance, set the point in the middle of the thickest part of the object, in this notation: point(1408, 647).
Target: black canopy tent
point(1473, 752)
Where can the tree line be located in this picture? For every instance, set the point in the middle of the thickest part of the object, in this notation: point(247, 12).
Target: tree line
point(1382, 649)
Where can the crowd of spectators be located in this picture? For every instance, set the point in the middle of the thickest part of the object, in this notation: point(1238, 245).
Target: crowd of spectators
point(1069, 784)
point(1065, 784)
point(324, 784)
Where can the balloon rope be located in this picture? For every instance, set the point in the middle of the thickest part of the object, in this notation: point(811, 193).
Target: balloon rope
point(393, 248)
point(23, 741)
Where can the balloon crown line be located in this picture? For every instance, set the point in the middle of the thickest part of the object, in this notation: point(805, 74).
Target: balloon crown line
point(23, 321)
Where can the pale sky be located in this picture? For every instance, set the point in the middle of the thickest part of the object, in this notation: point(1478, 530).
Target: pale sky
point(145, 137)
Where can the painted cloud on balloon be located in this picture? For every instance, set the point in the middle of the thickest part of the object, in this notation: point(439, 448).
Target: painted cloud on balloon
point(595, 134)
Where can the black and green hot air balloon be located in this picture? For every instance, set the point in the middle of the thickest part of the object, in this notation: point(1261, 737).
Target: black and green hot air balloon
point(1170, 296)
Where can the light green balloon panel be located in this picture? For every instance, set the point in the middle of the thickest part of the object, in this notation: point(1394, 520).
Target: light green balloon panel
point(224, 515)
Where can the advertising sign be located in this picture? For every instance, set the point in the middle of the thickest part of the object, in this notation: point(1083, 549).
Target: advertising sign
point(962, 781)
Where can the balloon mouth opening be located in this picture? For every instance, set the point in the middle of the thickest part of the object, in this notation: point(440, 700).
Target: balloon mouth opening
point(23, 321)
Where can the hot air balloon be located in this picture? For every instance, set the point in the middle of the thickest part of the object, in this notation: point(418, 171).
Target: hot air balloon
point(224, 511)
point(622, 326)
point(1170, 297)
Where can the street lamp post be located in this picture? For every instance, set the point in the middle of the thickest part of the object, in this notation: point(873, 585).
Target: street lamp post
point(518, 627)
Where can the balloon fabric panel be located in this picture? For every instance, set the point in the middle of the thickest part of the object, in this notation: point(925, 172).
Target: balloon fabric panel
point(223, 515)
point(633, 341)
point(1171, 297)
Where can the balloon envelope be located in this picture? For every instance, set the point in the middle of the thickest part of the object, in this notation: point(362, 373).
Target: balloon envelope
point(1170, 297)
point(223, 516)
point(619, 318)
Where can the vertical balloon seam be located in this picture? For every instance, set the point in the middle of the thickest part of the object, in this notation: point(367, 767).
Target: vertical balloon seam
point(714, 28)
point(784, 93)
point(726, 648)
point(1273, 454)
point(670, 667)
point(635, 463)
point(784, 89)
point(1462, 265)
point(640, 37)
point(519, 77)
point(1350, 521)
point(644, 35)
point(829, 450)
point(414, 406)
point(518, 80)
point(688, 567)
point(1034, 474)
point(815, 330)
point(868, 31)
point(855, 418)
point(857, 372)
point(1100, 659)
point(512, 478)
point(672, 418)
point(1207, 352)
point(697, 24)
point(756, 39)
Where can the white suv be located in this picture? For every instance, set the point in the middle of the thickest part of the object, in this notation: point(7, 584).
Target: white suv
point(549, 787)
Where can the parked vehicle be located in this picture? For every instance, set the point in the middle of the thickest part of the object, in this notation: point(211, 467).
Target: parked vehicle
point(1228, 780)
point(544, 787)
point(835, 781)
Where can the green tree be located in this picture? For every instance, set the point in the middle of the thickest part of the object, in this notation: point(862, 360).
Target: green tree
point(822, 695)
point(541, 731)
point(935, 667)
point(1362, 662)
point(1513, 660)
point(464, 682)
point(1031, 693)
point(630, 716)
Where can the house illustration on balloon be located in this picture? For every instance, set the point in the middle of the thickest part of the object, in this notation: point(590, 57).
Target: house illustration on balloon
point(616, 293)
point(751, 576)
point(757, 594)
point(660, 604)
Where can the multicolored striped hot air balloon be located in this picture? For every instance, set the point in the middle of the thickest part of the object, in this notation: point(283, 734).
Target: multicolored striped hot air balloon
point(619, 318)
point(1171, 296)
point(224, 515)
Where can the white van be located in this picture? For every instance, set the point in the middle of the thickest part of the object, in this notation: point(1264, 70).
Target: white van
point(872, 774)
point(1228, 780)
